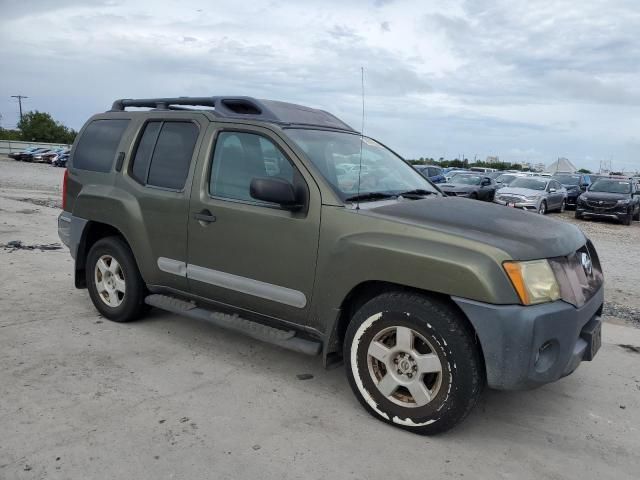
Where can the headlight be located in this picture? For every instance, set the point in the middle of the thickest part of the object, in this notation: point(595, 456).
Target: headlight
point(624, 202)
point(534, 281)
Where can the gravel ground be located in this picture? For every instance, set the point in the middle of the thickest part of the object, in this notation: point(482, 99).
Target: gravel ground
point(170, 397)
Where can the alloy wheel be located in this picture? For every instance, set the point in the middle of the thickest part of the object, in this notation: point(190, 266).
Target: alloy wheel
point(109, 280)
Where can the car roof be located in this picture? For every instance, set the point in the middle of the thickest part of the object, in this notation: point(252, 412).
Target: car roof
point(240, 107)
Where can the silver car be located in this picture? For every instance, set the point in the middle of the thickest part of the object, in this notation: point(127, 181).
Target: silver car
point(538, 194)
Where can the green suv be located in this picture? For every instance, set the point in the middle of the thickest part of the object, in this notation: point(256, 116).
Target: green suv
point(282, 222)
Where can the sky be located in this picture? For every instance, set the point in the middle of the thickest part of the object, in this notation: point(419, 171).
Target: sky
point(522, 80)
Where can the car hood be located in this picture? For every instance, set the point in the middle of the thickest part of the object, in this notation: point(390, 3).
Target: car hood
point(527, 192)
point(522, 235)
point(605, 196)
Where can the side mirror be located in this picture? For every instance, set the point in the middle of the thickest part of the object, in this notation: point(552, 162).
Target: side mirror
point(274, 190)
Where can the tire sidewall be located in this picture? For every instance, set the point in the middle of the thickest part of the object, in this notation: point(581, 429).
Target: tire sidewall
point(450, 404)
point(133, 300)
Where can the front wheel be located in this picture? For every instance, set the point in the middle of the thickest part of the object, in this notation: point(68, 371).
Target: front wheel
point(413, 362)
point(627, 219)
point(636, 217)
point(542, 209)
point(563, 206)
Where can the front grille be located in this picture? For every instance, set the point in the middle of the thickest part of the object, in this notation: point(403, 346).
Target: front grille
point(604, 204)
point(450, 194)
point(577, 283)
point(510, 199)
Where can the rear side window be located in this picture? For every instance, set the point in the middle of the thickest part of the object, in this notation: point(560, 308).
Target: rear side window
point(97, 147)
point(164, 154)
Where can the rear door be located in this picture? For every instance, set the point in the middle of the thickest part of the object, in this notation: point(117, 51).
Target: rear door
point(250, 254)
point(158, 179)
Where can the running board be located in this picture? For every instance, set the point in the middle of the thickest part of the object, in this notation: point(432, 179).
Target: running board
point(282, 338)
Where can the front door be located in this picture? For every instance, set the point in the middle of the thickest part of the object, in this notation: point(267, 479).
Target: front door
point(247, 253)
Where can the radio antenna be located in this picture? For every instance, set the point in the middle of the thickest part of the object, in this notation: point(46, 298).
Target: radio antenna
point(361, 140)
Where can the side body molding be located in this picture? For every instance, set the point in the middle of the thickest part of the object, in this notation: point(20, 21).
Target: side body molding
point(246, 285)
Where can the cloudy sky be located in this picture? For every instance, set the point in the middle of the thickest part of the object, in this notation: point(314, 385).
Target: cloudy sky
point(525, 80)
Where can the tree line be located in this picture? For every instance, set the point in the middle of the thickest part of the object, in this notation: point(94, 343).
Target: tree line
point(39, 127)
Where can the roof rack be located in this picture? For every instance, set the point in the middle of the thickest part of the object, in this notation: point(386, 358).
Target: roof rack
point(242, 107)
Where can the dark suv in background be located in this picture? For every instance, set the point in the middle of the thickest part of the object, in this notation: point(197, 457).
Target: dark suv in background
point(575, 184)
point(614, 198)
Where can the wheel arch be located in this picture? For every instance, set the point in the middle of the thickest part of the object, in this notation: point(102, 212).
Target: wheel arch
point(92, 232)
point(361, 294)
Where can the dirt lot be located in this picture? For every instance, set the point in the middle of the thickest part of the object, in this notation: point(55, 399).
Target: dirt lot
point(169, 397)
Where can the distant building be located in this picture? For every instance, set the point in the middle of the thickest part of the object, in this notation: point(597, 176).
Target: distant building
point(562, 165)
point(492, 159)
point(538, 167)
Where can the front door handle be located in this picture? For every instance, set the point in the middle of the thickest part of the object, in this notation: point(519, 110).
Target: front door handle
point(205, 217)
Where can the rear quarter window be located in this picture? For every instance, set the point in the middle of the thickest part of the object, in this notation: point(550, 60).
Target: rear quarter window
point(96, 149)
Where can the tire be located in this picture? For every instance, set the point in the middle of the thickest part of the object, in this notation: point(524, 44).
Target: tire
point(440, 336)
point(105, 288)
point(473, 196)
point(542, 209)
point(578, 215)
point(636, 217)
point(563, 206)
point(627, 218)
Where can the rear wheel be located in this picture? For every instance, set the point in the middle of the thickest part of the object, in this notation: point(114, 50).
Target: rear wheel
point(113, 280)
point(413, 362)
point(542, 209)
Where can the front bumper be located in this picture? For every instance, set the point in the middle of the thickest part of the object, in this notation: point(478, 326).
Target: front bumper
point(531, 205)
point(619, 212)
point(528, 346)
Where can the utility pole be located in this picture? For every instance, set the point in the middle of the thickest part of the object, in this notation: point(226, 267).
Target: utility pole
point(19, 97)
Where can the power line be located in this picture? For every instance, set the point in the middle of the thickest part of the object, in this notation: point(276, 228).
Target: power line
point(19, 97)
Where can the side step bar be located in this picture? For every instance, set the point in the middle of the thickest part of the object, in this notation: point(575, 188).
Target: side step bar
point(282, 338)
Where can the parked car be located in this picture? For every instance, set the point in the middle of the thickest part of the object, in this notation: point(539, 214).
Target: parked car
point(27, 154)
point(575, 185)
point(538, 194)
point(50, 156)
point(431, 172)
point(425, 297)
point(610, 198)
point(18, 155)
point(468, 185)
point(35, 155)
point(62, 159)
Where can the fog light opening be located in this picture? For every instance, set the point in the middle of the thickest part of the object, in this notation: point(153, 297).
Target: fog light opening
point(546, 356)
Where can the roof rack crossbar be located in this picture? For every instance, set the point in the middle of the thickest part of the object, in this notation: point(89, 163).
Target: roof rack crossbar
point(241, 107)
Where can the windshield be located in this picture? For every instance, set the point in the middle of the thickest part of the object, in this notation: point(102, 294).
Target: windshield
point(337, 156)
point(611, 186)
point(530, 183)
point(568, 179)
point(467, 179)
point(506, 178)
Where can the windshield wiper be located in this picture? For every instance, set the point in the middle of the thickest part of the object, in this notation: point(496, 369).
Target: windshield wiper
point(417, 191)
point(370, 196)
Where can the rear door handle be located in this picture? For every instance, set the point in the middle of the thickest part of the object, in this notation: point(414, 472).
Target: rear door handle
point(205, 217)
